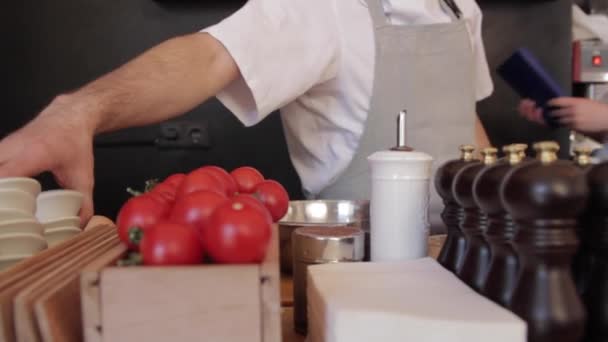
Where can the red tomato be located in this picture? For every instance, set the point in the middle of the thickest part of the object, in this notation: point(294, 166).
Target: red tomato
point(139, 212)
point(254, 202)
point(171, 244)
point(175, 180)
point(199, 180)
point(247, 178)
point(274, 197)
point(159, 198)
point(166, 191)
point(195, 209)
point(237, 233)
point(223, 177)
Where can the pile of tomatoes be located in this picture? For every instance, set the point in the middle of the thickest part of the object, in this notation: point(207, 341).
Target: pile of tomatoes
point(205, 215)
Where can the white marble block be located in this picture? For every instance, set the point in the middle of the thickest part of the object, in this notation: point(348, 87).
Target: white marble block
point(415, 300)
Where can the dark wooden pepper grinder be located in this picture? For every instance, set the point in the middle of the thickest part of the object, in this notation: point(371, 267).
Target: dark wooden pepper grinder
point(477, 254)
point(453, 249)
point(595, 226)
point(582, 263)
point(545, 198)
point(502, 272)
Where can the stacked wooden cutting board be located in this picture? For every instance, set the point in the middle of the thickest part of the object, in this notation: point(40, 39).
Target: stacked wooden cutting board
point(40, 297)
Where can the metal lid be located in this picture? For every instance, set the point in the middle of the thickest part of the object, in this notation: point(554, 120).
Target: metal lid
point(515, 153)
point(546, 151)
point(466, 152)
point(328, 244)
point(489, 155)
point(582, 155)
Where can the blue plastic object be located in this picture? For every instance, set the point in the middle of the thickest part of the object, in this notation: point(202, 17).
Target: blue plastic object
point(526, 75)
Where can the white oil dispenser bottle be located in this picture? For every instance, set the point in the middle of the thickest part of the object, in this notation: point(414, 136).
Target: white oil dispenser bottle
point(399, 200)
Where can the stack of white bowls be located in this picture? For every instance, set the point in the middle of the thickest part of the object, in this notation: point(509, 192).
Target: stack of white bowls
point(58, 210)
point(21, 235)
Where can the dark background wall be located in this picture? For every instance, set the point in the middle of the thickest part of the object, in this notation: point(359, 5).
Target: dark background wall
point(50, 47)
point(544, 27)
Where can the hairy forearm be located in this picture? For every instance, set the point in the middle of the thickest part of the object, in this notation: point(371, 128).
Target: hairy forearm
point(166, 81)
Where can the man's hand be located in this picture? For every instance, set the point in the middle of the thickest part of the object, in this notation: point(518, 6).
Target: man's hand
point(58, 140)
point(580, 114)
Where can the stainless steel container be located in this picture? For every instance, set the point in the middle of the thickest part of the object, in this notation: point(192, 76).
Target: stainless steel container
point(320, 245)
point(320, 213)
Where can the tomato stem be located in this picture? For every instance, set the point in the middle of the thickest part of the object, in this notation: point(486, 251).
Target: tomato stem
point(150, 184)
point(133, 259)
point(135, 235)
point(134, 193)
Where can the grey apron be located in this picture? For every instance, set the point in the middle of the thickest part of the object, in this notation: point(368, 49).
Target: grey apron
point(428, 71)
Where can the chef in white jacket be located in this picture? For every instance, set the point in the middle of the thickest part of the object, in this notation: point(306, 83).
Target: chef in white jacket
point(339, 71)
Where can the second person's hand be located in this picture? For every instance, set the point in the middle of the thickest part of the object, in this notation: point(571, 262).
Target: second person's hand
point(528, 109)
point(581, 114)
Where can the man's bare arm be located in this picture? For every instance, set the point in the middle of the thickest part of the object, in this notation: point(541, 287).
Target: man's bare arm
point(163, 82)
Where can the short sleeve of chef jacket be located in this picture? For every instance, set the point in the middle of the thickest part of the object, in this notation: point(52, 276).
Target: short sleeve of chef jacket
point(284, 48)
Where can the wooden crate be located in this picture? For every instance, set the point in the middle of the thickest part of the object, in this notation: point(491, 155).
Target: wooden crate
point(190, 303)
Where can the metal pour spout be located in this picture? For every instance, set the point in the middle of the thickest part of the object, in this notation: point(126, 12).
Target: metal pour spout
point(401, 125)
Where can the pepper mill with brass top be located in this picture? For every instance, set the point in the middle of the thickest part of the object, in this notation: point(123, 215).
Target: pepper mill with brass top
point(477, 255)
point(595, 225)
point(582, 263)
point(453, 249)
point(502, 271)
point(545, 198)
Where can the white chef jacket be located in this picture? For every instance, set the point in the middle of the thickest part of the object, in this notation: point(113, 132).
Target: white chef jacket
point(314, 60)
